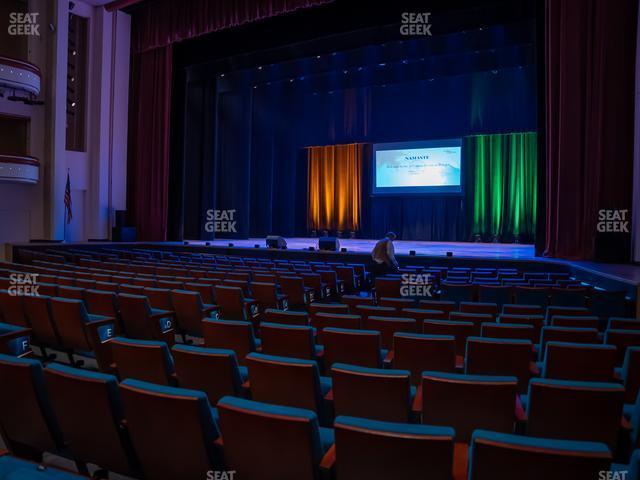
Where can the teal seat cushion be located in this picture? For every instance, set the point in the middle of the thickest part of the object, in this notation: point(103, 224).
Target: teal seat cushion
point(14, 469)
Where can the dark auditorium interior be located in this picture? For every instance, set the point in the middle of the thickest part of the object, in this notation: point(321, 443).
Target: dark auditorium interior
point(320, 240)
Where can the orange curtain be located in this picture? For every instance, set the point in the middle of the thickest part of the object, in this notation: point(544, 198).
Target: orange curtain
point(334, 186)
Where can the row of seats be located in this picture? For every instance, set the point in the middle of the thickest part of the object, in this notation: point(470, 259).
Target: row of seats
point(139, 429)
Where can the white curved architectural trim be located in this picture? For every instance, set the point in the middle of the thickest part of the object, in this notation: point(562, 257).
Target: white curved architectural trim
point(19, 75)
point(19, 169)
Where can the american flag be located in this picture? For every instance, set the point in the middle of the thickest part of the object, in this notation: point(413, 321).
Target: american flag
point(67, 200)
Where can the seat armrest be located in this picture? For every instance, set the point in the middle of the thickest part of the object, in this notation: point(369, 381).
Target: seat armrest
point(17, 334)
point(329, 396)
point(388, 359)
point(417, 401)
point(210, 308)
point(163, 314)
point(533, 369)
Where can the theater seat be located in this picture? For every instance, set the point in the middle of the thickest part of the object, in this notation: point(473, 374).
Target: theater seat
point(272, 442)
point(146, 360)
point(379, 394)
point(419, 352)
point(566, 334)
point(288, 381)
point(622, 339)
point(27, 419)
point(331, 308)
point(579, 361)
point(388, 326)
point(234, 305)
point(468, 402)
point(575, 321)
point(354, 300)
point(442, 305)
point(509, 331)
point(267, 296)
point(397, 303)
point(142, 321)
point(323, 320)
point(215, 371)
point(104, 303)
point(190, 310)
point(500, 295)
point(12, 309)
point(294, 288)
point(173, 430)
point(230, 334)
point(81, 332)
point(500, 456)
point(623, 323)
point(354, 347)
point(476, 318)
point(289, 341)
point(38, 312)
point(630, 374)
point(378, 450)
point(286, 317)
point(494, 356)
point(522, 309)
point(459, 330)
point(89, 410)
point(572, 410)
point(478, 307)
point(387, 287)
point(421, 314)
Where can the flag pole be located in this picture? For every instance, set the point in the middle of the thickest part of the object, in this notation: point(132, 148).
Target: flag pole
point(64, 231)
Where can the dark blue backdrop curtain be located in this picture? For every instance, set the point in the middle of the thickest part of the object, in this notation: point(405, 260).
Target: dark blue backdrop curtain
point(262, 133)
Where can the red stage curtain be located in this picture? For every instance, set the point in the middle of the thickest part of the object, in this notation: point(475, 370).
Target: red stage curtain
point(334, 186)
point(155, 27)
point(589, 62)
point(148, 194)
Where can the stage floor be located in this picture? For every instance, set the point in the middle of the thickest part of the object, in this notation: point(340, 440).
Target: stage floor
point(502, 251)
point(627, 273)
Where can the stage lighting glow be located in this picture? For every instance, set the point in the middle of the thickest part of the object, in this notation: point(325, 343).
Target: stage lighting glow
point(260, 67)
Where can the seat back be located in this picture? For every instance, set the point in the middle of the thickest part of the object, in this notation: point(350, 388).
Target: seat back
point(189, 311)
point(573, 410)
point(388, 326)
point(536, 321)
point(26, 416)
point(631, 374)
point(183, 428)
point(387, 287)
point(287, 340)
point(266, 294)
point(12, 309)
point(373, 311)
point(89, 410)
point(135, 312)
point(459, 330)
point(397, 303)
point(353, 301)
point(145, 360)
point(531, 295)
point(229, 334)
point(254, 431)
point(442, 305)
point(286, 317)
point(374, 449)
point(231, 302)
point(509, 331)
point(293, 287)
point(38, 312)
point(566, 311)
point(421, 314)
point(159, 298)
point(418, 352)
point(468, 402)
point(374, 393)
point(212, 370)
point(331, 308)
point(100, 302)
point(622, 339)
point(522, 309)
point(579, 361)
point(476, 318)
point(204, 289)
point(326, 320)
point(354, 347)
point(70, 317)
point(500, 456)
point(478, 307)
point(567, 334)
point(620, 323)
point(285, 381)
point(493, 356)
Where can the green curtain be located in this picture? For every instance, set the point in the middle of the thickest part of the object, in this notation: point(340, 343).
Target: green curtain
point(504, 184)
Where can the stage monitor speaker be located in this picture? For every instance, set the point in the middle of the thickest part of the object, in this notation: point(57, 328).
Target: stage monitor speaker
point(121, 218)
point(276, 241)
point(330, 244)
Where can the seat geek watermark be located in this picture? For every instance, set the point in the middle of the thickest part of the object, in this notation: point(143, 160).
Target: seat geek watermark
point(613, 221)
point(415, 285)
point(415, 24)
point(612, 475)
point(23, 284)
point(220, 221)
point(221, 475)
point(24, 24)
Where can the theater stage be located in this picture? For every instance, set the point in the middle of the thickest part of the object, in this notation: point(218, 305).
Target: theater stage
point(500, 251)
